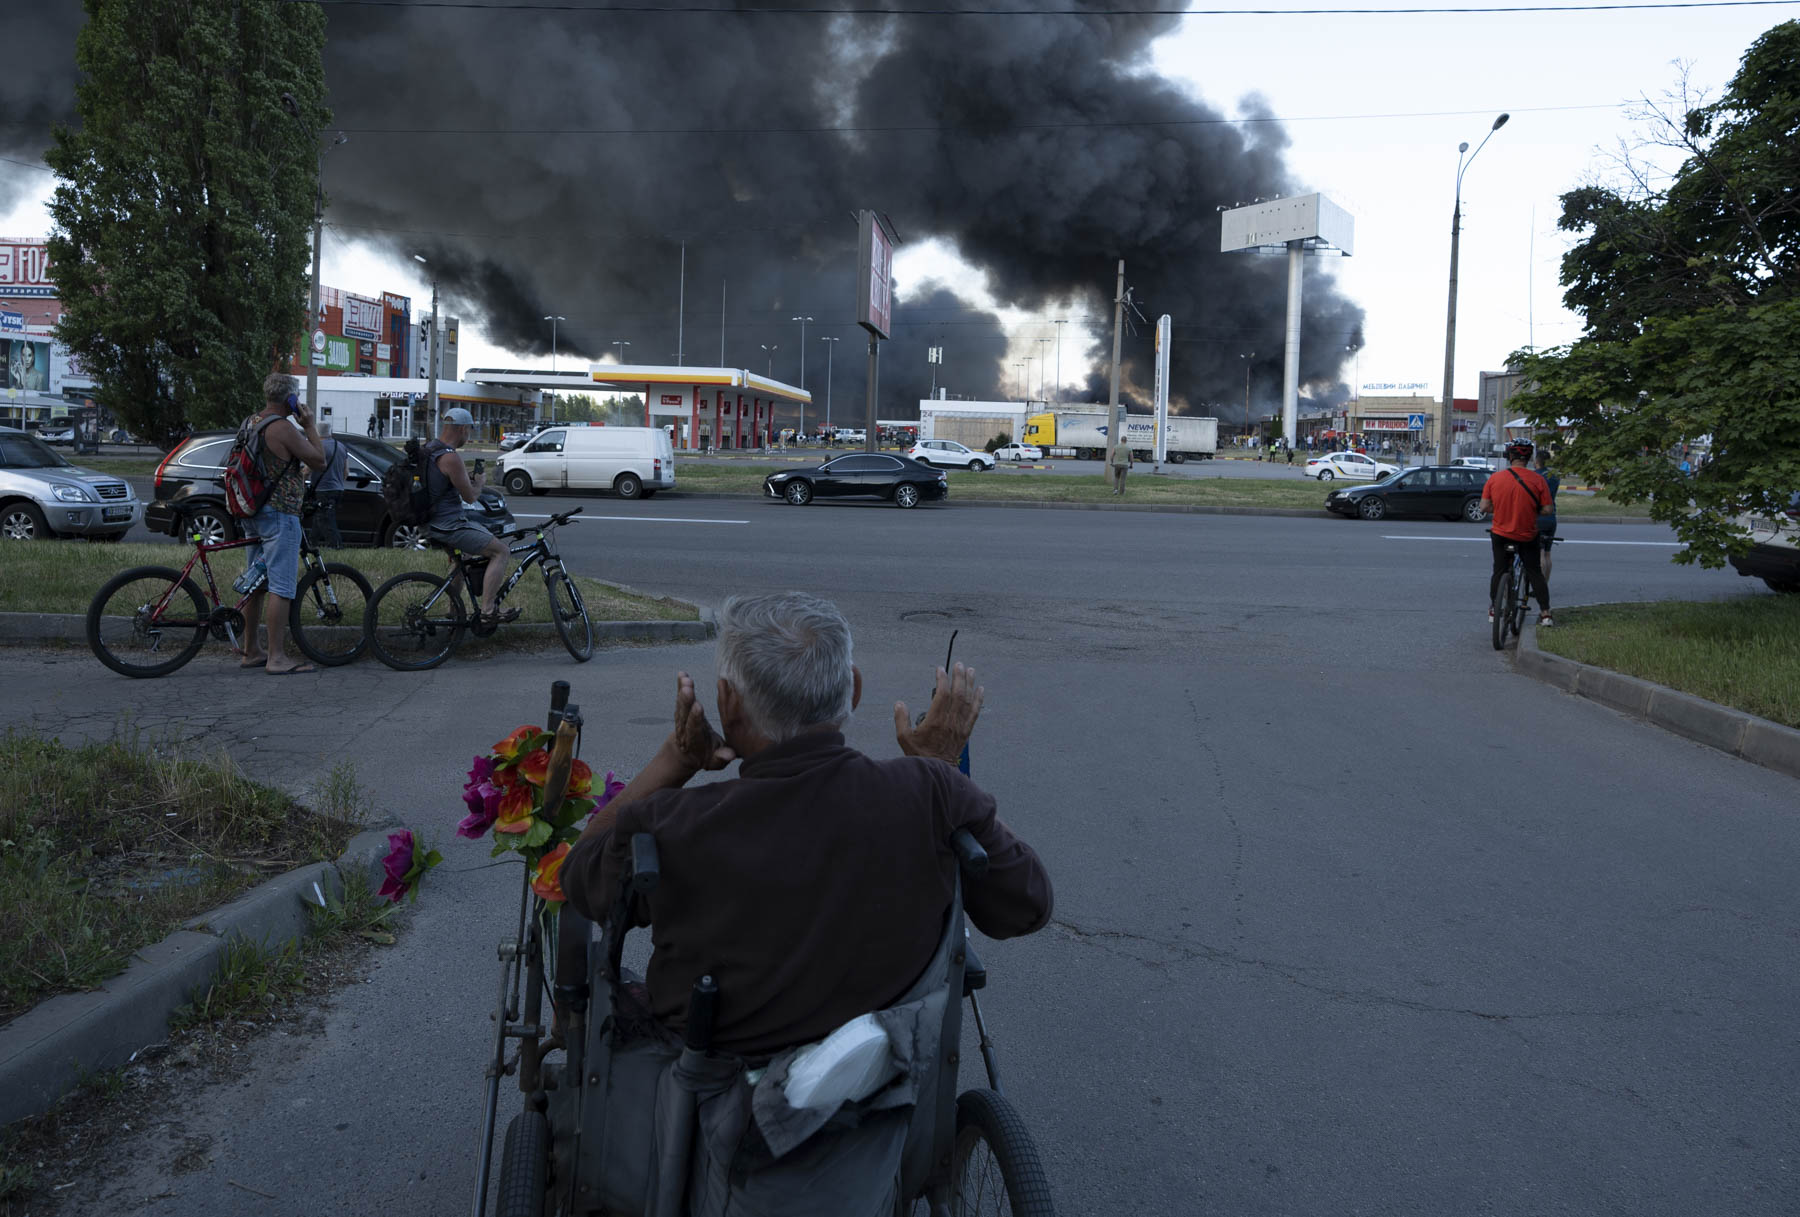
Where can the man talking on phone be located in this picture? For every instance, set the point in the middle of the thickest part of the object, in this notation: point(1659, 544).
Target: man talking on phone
point(288, 442)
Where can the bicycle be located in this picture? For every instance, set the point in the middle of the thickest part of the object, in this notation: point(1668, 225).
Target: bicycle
point(415, 619)
point(150, 620)
point(1512, 598)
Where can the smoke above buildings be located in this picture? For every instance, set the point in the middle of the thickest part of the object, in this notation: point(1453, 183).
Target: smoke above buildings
point(559, 162)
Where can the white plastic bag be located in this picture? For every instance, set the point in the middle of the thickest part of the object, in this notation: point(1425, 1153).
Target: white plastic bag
point(851, 1063)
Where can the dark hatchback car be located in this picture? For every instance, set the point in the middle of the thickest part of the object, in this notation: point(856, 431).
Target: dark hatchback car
point(871, 475)
point(190, 475)
point(1450, 491)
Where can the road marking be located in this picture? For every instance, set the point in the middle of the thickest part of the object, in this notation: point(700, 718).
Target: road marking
point(1482, 540)
point(527, 515)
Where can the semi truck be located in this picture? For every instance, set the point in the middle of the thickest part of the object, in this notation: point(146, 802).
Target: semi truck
point(1082, 434)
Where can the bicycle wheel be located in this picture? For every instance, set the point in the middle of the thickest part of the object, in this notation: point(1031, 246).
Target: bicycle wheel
point(1503, 609)
point(1523, 604)
point(995, 1169)
point(130, 634)
point(414, 621)
point(570, 615)
point(326, 618)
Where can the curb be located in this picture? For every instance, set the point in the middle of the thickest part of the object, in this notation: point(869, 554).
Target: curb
point(48, 1050)
point(72, 627)
point(1745, 736)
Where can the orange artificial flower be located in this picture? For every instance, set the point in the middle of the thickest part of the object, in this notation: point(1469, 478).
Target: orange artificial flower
point(509, 748)
point(515, 808)
point(547, 883)
point(581, 779)
point(535, 769)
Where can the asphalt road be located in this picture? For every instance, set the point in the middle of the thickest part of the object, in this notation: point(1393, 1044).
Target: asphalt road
point(1350, 918)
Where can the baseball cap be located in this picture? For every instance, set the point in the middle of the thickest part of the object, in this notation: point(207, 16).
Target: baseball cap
point(459, 416)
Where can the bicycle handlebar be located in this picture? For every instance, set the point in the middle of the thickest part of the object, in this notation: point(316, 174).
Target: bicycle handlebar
point(560, 518)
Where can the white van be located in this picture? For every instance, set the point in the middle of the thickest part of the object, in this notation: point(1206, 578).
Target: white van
point(630, 461)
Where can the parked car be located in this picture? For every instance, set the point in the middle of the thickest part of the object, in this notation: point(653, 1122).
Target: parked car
point(876, 475)
point(44, 496)
point(512, 439)
point(1450, 491)
point(950, 454)
point(1336, 465)
point(57, 435)
point(1018, 452)
point(1476, 462)
point(629, 461)
point(1774, 555)
point(190, 475)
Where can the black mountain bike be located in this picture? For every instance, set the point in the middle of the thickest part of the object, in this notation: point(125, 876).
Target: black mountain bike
point(1512, 598)
point(416, 619)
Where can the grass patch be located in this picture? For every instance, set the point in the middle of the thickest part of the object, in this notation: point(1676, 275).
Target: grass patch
point(1743, 652)
point(108, 847)
point(62, 577)
point(119, 466)
point(1029, 486)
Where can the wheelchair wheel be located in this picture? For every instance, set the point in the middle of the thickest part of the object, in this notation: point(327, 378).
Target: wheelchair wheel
point(524, 1166)
point(995, 1170)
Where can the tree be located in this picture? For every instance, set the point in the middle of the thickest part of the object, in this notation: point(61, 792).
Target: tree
point(1690, 293)
point(179, 246)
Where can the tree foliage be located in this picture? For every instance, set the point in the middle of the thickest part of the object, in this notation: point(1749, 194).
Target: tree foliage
point(179, 246)
point(1690, 292)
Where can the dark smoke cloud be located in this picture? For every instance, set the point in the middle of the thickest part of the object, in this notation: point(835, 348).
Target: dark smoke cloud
point(987, 132)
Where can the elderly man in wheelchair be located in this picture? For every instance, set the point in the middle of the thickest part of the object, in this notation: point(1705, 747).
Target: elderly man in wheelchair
point(793, 1047)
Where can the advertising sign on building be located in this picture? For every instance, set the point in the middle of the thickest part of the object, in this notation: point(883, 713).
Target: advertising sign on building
point(12, 322)
point(875, 270)
point(671, 399)
point(25, 269)
point(362, 317)
point(26, 363)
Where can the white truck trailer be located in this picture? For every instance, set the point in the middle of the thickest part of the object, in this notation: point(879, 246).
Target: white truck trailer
point(1082, 434)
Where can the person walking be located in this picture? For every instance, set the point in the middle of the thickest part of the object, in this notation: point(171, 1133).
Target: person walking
point(1546, 521)
point(371, 424)
point(1121, 465)
point(286, 440)
point(328, 491)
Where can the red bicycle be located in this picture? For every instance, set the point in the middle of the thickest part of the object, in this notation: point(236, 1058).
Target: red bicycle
point(150, 620)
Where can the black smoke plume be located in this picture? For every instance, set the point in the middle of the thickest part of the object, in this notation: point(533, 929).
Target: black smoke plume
point(558, 162)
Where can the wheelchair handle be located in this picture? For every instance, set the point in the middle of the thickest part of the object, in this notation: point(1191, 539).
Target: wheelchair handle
point(969, 855)
point(559, 697)
point(645, 867)
point(703, 1011)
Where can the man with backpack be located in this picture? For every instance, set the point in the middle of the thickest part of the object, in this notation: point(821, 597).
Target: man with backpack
point(451, 486)
point(280, 438)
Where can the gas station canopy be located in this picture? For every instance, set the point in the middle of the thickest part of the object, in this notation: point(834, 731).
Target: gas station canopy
point(720, 407)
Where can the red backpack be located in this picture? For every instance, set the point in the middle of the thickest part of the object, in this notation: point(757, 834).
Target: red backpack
point(247, 486)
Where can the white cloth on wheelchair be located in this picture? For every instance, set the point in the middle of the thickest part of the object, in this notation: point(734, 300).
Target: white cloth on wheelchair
point(846, 1066)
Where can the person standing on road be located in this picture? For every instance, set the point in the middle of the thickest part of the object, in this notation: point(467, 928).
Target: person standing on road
point(1121, 465)
point(328, 490)
point(1517, 497)
point(288, 441)
point(450, 485)
point(371, 424)
point(1547, 520)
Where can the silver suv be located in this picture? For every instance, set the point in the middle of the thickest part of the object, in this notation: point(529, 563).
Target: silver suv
point(43, 496)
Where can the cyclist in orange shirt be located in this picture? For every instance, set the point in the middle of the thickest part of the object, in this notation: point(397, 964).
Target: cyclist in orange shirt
point(1515, 497)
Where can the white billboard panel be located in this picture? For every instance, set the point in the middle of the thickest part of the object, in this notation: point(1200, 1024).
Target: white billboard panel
point(1278, 221)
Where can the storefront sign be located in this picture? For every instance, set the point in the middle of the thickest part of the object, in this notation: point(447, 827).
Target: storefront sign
point(362, 317)
point(14, 322)
point(671, 399)
point(25, 269)
point(1396, 386)
point(1384, 424)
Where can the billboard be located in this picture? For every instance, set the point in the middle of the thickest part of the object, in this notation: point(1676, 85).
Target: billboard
point(875, 243)
point(25, 269)
point(355, 335)
point(1278, 221)
point(26, 363)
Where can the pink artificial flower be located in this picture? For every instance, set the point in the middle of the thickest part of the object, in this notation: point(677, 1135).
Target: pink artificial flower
point(397, 864)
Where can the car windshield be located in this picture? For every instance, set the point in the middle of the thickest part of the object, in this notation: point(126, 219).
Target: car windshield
point(28, 452)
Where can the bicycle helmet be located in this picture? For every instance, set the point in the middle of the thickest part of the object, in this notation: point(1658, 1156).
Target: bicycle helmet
point(1519, 450)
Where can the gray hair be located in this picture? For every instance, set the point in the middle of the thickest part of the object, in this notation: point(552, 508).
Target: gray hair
point(788, 657)
point(279, 386)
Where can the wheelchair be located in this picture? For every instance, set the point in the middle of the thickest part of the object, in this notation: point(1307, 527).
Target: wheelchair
point(629, 1121)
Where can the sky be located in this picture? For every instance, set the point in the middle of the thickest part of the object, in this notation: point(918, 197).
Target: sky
point(1374, 106)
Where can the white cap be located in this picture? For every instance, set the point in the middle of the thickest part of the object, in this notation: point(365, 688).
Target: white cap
point(459, 416)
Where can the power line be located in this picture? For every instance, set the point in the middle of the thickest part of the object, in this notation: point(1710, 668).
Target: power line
point(709, 10)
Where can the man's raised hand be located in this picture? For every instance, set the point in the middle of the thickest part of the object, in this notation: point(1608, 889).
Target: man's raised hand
point(948, 723)
point(695, 741)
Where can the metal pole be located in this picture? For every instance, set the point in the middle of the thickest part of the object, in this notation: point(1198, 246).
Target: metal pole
point(1115, 423)
point(869, 408)
point(1290, 378)
point(1446, 445)
point(436, 345)
point(829, 352)
point(681, 307)
point(1059, 326)
point(312, 316)
point(722, 285)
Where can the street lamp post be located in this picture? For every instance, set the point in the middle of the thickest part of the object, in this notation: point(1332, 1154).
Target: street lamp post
point(621, 354)
point(432, 355)
point(318, 240)
point(553, 319)
point(1020, 382)
point(829, 352)
point(802, 321)
point(1042, 391)
point(1248, 360)
point(1062, 321)
point(1446, 446)
point(770, 349)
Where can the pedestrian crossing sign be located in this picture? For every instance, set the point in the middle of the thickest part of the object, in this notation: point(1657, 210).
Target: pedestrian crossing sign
point(1415, 422)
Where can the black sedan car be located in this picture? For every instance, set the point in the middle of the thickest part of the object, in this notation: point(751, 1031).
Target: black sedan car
point(190, 475)
point(873, 475)
point(1450, 491)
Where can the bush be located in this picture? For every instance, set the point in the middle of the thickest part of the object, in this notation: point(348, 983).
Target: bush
point(999, 441)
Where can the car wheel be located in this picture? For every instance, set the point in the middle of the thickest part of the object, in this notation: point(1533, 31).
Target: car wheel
point(906, 495)
point(1472, 511)
point(518, 482)
point(1371, 508)
point(406, 536)
point(1785, 586)
point(1325, 475)
point(23, 522)
point(214, 526)
point(628, 486)
point(974, 466)
point(1177, 458)
point(798, 493)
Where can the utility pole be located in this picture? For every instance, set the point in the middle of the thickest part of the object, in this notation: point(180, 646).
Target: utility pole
point(1114, 419)
point(681, 306)
point(802, 321)
point(432, 354)
point(1060, 322)
point(722, 285)
point(829, 352)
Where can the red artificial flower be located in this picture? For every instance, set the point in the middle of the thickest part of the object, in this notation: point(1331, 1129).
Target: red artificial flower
point(547, 881)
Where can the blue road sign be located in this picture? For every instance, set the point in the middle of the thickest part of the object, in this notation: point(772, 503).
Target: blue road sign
point(1415, 422)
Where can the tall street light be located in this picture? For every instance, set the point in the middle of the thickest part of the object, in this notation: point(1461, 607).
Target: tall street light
point(802, 321)
point(1042, 391)
point(431, 356)
point(770, 349)
point(618, 346)
point(1248, 360)
point(1061, 321)
point(553, 319)
point(292, 106)
point(829, 352)
point(1446, 445)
